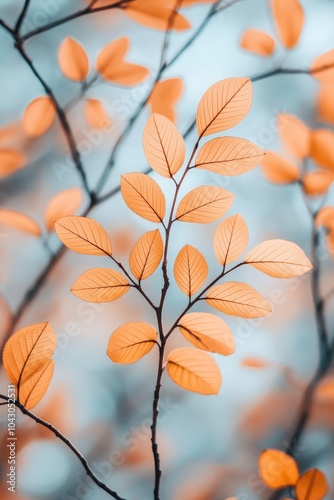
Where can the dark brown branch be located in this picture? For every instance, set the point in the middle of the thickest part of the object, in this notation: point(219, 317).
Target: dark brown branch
point(22, 16)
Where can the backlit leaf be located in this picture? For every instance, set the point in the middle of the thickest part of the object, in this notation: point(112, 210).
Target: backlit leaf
point(279, 259)
point(294, 134)
point(258, 42)
point(164, 97)
point(318, 182)
point(73, 60)
point(19, 221)
point(277, 469)
point(207, 332)
point(100, 285)
point(311, 486)
point(229, 156)
point(230, 240)
point(146, 255)
point(204, 204)
point(289, 20)
point(131, 341)
point(95, 114)
point(83, 235)
point(325, 103)
point(238, 299)
point(190, 270)
point(143, 196)
point(279, 170)
point(325, 390)
point(194, 370)
point(164, 146)
point(33, 389)
point(322, 148)
point(155, 15)
point(224, 105)
point(322, 67)
point(10, 161)
point(66, 202)
point(39, 116)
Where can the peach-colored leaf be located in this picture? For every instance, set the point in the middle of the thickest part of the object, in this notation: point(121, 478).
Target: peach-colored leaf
point(112, 66)
point(258, 42)
point(224, 105)
point(39, 116)
point(194, 370)
point(164, 146)
point(325, 217)
point(146, 255)
point(190, 270)
point(238, 299)
point(156, 15)
point(207, 332)
point(322, 67)
point(131, 342)
point(33, 389)
point(10, 161)
point(325, 103)
point(277, 469)
point(165, 96)
point(322, 148)
point(100, 285)
point(204, 204)
point(295, 135)
point(230, 240)
point(65, 203)
point(73, 60)
point(317, 182)
point(312, 485)
point(252, 362)
point(229, 156)
point(289, 20)
point(279, 259)
point(96, 115)
point(143, 196)
point(325, 390)
point(279, 170)
point(83, 235)
point(19, 221)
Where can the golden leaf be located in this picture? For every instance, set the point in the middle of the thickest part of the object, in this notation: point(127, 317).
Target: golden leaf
point(311, 486)
point(156, 15)
point(146, 255)
point(66, 202)
point(33, 389)
point(295, 135)
point(164, 146)
point(131, 342)
point(204, 204)
point(230, 240)
point(277, 469)
point(39, 116)
point(238, 299)
point(207, 332)
point(143, 196)
point(10, 161)
point(317, 182)
point(19, 221)
point(95, 114)
point(279, 259)
point(258, 42)
point(73, 60)
point(83, 235)
point(194, 371)
point(224, 105)
point(190, 270)
point(100, 285)
point(322, 148)
point(322, 67)
point(325, 103)
point(278, 170)
point(164, 97)
point(289, 20)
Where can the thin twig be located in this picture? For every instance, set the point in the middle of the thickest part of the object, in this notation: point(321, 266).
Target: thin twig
point(22, 16)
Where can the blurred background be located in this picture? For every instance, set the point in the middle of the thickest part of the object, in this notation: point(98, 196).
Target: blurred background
point(209, 445)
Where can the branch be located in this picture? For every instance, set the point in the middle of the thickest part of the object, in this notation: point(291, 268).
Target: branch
point(69, 444)
point(22, 16)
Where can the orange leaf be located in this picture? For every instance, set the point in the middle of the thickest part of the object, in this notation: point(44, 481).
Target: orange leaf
point(146, 255)
point(278, 170)
point(207, 332)
point(224, 105)
point(322, 148)
point(73, 60)
point(325, 390)
point(190, 270)
point(39, 116)
point(64, 203)
point(311, 486)
point(164, 97)
point(95, 114)
point(318, 182)
point(322, 68)
point(143, 196)
point(113, 68)
point(258, 42)
point(252, 362)
point(238, 299)
point(230, 240)
point(33, 389)
point(164, 146)
point(19, 221)
point(100, 285)
point(155, 15)
point(279, 259)
point(295, 135)
point(204, 204)
point(229, 156)
point(194, 371)
point(330, 242)
point(131, 342)
point(83, 235)
point(277, 469)
point(10, 161)
point(325, 104)
point(289, 20)
point(325, 217)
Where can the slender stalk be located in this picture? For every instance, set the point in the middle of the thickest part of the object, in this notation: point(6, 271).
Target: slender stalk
point(22, 16)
